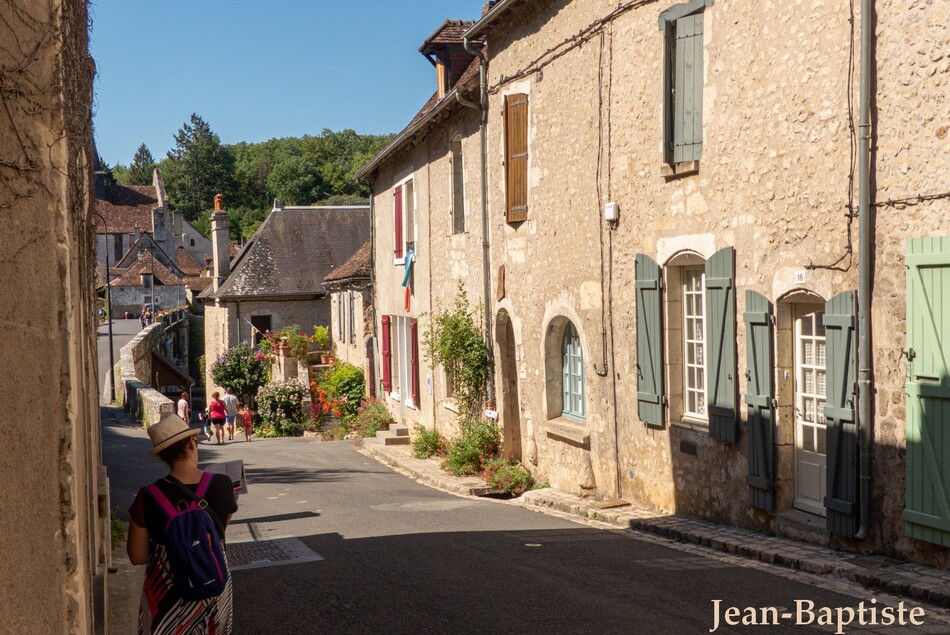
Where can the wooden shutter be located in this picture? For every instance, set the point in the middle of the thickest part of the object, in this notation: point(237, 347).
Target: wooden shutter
point(721, 345)
point(759, 400)
point(397, 221)
point(650, 395)
point(687, 91)
point(841, 429)
point(387, 355)
point(516, 158)
point(927, 505)
point(414, 361)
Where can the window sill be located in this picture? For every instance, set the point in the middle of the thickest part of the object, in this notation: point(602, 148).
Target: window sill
point(676, 170)
point(568, 430)
point(451, 405)
point(399, 261)
point(692, 423)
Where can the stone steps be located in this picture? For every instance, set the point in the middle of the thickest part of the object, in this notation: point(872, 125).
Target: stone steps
point(398, 434)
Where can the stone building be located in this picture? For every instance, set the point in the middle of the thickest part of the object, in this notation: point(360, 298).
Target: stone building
point(351, 316)
point(54, 525)
point(674, 260)
point(277, 278)
point(428, 229)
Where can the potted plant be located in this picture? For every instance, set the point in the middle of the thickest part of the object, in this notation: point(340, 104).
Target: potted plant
point(321, 337)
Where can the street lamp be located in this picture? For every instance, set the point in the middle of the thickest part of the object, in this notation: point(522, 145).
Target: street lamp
point(109, 309)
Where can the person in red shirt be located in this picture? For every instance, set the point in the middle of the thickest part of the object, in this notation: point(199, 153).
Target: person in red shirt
point(247, 418)
point(217, 414)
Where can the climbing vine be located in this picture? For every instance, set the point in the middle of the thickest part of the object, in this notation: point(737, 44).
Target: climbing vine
point(453, 340)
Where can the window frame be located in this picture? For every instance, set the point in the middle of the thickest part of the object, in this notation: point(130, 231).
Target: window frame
point(405, 192)
point(686, 275)
point(572, 374)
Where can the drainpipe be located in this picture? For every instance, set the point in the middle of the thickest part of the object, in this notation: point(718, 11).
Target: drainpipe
point(865, 380)
point(483, 134)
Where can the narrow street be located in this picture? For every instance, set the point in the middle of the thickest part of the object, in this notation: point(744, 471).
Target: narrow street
point(399, 557)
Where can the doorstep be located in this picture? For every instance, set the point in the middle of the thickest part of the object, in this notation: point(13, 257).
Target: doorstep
point(426, 471)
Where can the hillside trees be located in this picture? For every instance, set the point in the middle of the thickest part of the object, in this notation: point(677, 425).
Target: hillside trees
point(197, 168)
point(143, 164)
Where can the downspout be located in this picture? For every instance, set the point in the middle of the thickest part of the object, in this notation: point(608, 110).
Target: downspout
point(483, 134)
point(865, 379)
point(377, 388)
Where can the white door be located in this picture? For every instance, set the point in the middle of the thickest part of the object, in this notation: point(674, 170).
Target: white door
point(810, 451)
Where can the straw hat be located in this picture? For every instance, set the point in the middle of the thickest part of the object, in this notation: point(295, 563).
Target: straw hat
point(169, 430)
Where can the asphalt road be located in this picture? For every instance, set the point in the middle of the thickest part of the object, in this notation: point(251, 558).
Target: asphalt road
point(122, 333)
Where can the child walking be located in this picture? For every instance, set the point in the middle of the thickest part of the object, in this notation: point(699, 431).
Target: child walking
point(247, 418)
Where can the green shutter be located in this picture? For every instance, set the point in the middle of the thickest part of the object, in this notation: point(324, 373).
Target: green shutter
point(927, 506)
point(688, 89)
point(650, 395)
point(759, 400)
point(721, 343)
point(841, 430)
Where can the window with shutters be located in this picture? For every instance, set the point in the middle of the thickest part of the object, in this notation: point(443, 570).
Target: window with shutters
point(516, 158)
point(404, 221)
point(564, 373)
point(682, 27)
point(694, 327)
point(810, 435)
point(458, 187)
point(686, 349)
point(404, 360)
point(351, 315)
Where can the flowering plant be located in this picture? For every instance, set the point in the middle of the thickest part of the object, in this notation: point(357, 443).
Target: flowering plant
point(280, 406)
point(241, 369)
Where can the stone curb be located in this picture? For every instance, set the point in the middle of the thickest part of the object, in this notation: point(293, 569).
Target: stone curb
point(907, 579)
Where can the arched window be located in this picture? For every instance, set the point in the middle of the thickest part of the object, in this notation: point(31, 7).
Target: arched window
point(572, 374)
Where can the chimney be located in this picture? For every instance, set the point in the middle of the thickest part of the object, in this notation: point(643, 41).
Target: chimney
point(219, 242)
point(162, 230)
point(178, 231)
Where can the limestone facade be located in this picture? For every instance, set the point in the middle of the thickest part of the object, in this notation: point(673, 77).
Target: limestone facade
point(775, 183)
point(55, 497)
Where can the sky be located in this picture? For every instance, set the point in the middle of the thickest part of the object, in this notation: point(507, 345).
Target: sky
point(257, 70)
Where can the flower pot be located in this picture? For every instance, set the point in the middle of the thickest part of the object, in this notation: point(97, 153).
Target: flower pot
point(324, 358)
point(284, 350)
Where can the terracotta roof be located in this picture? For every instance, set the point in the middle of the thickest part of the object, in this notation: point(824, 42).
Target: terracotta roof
point(450, 32)
point(198, 283)
point(358, 266)
point(187, 263)
point(125, 207)
point(294, 249)
point(132, 277)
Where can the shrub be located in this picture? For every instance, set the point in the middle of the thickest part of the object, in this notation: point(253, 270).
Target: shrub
point(477, 443)
point(242, 369)
point(280, 406)
point(509, 477)
point(371, 417)
point(428, 443)
point(321, 337)
point(344, 384)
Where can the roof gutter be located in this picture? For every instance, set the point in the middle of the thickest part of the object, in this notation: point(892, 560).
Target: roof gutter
point(493, 14)
point(444, 103)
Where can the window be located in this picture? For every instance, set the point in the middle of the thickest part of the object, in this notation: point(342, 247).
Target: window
point(458, 187)
point(682, 26)
point(261, 324)
point(810, 437)
point(401, 359)
point(404, 221)
point(516, 158)
point(117, 250)
point(572, 374)
point(694, 366)
point(340, 319)
point(192, 242)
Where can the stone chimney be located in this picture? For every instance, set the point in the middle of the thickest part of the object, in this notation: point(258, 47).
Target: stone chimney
point(219, 242)
point(162, 230)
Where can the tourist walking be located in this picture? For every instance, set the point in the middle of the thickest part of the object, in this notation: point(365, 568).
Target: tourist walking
point(247, 419)
point(165, 608)
point(231, 406)
point(184, 408)
point(218, 414)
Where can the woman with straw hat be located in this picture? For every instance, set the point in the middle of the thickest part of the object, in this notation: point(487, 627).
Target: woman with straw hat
point(162, 609)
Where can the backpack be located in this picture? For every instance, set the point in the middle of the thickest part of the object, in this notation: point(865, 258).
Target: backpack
point(199, 570)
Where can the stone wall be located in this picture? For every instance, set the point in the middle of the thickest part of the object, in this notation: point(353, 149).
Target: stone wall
point(774, 182)
point(134, 389)
point(54, 529)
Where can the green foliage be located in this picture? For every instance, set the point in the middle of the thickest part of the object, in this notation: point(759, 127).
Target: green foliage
point(197, 168)
point(298, 342)
point(371, 417)
point(196, 348)
point(202, 362)
point(280, 407)
point(119, 528)
point(242, 369)
point(453, 340)
point(143, 164)
point(297, 181)
point(507, 476)
point(477, 443)
point(345, 384)
point(428, 442)
point(321, 336)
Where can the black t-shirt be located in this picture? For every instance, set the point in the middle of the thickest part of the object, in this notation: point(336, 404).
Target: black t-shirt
point(147, 513)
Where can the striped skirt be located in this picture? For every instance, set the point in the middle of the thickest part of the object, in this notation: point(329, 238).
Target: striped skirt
point(163, 612)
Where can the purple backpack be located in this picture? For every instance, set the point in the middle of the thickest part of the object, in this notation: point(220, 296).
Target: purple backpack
point(195, 554)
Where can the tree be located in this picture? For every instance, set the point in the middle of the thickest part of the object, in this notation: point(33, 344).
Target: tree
point(242, 369)
point(197, 168)
point(297, 181)
point(143, 164)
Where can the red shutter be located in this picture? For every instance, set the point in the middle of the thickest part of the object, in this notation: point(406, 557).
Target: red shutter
point(397, 221)
point(414, 336)
point(387, 357)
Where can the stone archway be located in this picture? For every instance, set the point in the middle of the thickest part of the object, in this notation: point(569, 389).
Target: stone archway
point(510, 409)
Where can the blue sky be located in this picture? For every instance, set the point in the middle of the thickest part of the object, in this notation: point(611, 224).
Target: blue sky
point(256, 70)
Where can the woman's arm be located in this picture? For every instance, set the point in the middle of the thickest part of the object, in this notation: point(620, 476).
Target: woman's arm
point(137, 546)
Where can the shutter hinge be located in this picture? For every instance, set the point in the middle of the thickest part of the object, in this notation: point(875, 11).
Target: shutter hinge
point(909, 353)
point(772, 319)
